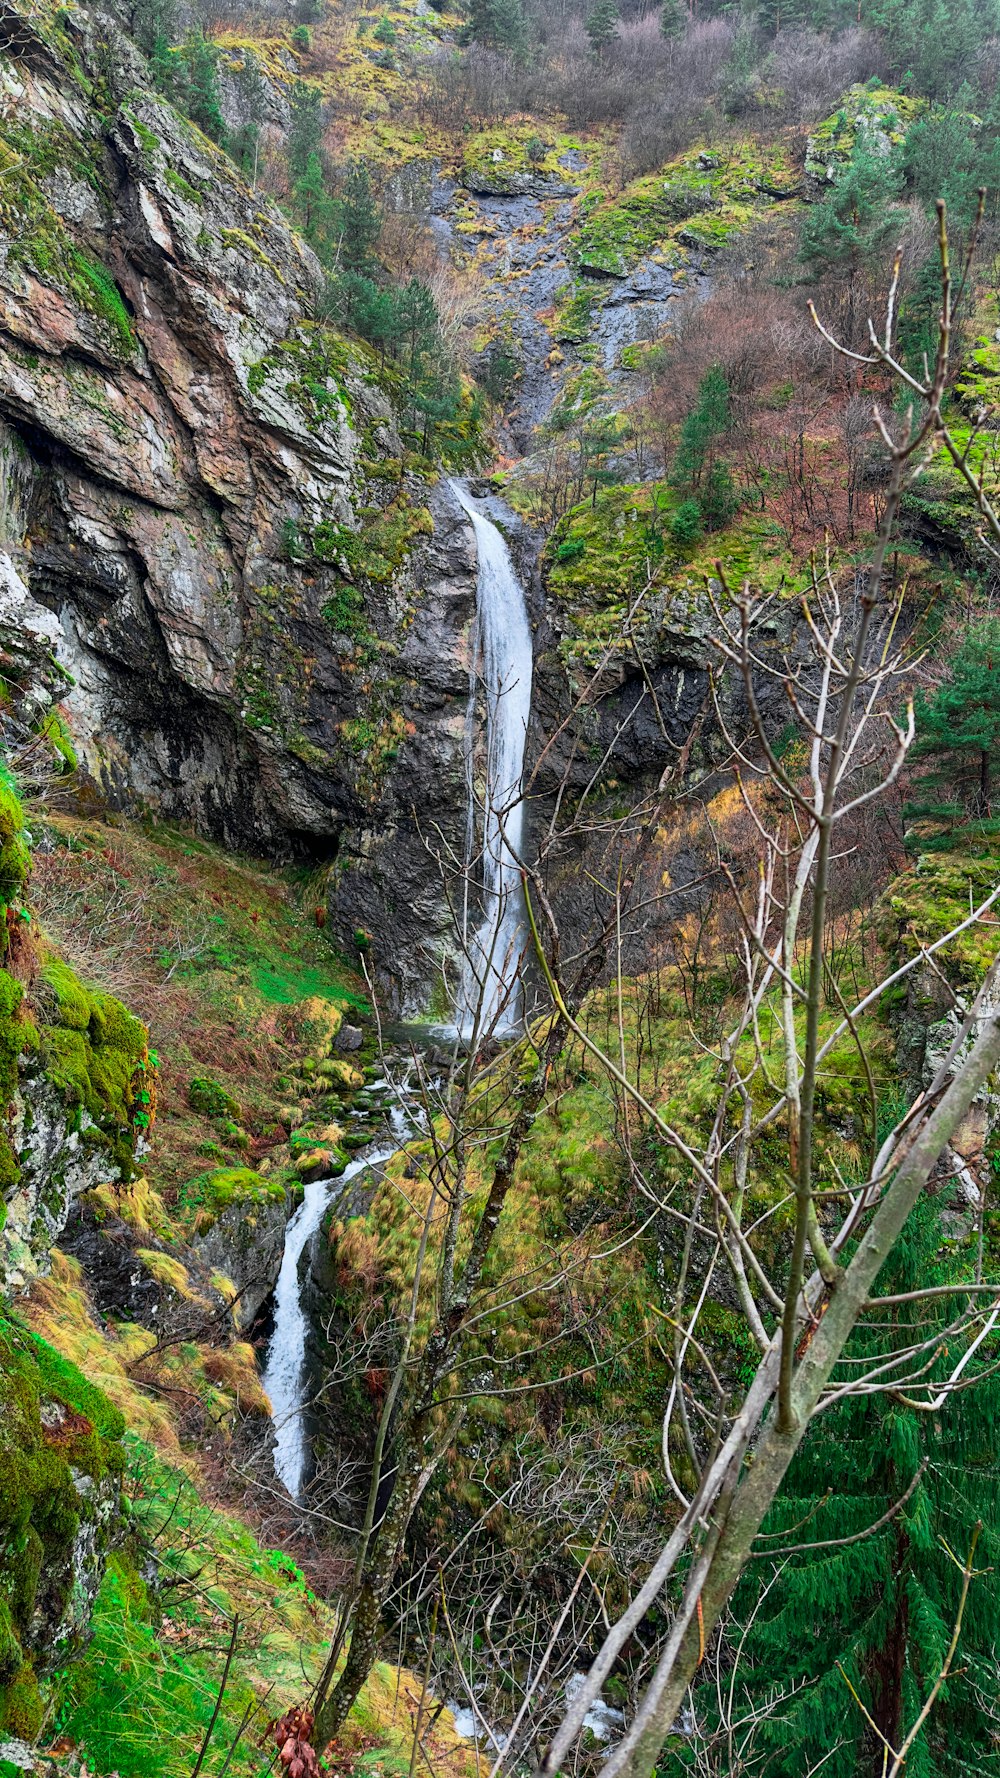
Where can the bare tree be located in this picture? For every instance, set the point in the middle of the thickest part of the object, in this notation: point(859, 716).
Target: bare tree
point(843, 689)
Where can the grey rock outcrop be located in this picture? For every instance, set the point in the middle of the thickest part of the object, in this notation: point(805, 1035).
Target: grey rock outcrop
point(221, 563)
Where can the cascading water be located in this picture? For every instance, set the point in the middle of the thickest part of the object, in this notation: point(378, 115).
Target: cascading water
point(285, 1370)
point(490, 993)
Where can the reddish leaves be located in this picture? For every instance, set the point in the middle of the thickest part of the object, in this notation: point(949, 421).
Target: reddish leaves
point(293, 1735)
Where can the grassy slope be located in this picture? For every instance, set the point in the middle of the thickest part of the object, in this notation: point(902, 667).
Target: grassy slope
point(222, 957)
point(225, 959)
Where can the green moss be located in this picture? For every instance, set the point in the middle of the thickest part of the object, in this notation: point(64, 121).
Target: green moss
point(96, 290)
point(311, 369)
point(379, 548)
point(21, 1705)
point(52, 1421)
point(505, 158)
point(877, 113)
point(15, 859)
point(10, 1647)
point(574, 312)
point(698, 200)
point(40, 241)
point(937, 893)
point(53, 726)
point(211, 1193)
point(182, 186)
point(207, 1096)
point(605, 551)
point(94, 1051)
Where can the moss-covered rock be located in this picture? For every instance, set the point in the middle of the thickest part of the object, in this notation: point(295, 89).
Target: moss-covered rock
point(517, 161)
point(60, 1463)
point(15, 859)
point(699, 200)
point(877, 115)
point(211, 1193)
point(207, 1096)
point(77, 1084)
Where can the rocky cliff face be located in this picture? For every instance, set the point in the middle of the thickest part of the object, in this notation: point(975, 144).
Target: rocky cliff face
point(216, 547)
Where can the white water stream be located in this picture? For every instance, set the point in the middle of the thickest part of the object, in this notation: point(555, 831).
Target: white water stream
point(490, 997)
point(285, 1370)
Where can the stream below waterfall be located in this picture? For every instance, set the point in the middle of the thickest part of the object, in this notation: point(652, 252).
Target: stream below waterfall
point(284, 1376)
point(490, 995)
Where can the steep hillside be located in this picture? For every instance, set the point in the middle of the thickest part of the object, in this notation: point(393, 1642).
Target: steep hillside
point(328, 340)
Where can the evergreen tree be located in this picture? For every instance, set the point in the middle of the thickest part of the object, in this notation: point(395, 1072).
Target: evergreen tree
point(946, 156)
point(959, 728)
point(317, 209)
point(602, 25)
point(852, 224)
point(933, 44)
point(305, 127)
point(153, 22)
point(697, 470)
point(673, 18)
point(360, 217)
point(501, 24)
point(882, 1607)
point(244, 141)
point(201, 98)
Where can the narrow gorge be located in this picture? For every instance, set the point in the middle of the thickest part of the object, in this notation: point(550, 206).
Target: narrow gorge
point(499, 1035)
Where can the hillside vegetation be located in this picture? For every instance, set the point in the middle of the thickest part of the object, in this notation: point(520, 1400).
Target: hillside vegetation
point(565, 252)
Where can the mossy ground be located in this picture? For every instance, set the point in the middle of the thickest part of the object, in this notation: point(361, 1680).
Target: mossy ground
point(140, 1699)
point(698, 200)
point(223, 957)
point(53, 1422)
point(607, 550)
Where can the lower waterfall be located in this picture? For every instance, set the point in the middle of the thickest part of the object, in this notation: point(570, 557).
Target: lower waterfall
point(490, 995)
point(285, 1370)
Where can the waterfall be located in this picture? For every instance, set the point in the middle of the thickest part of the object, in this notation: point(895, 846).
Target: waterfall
point(285, 1369)
point(490, 995)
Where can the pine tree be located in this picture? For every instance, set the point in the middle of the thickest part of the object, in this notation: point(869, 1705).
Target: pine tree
point(673, 18)
point(958, 729)
point(316, 207)
point(944, 156)
point(852, 224)
point(202, 99)
point(697, 470)
point(361, 220)
point(883, 1606)
point(501, 24)
point(153, 21)
point(305, 127)
point(602, 25)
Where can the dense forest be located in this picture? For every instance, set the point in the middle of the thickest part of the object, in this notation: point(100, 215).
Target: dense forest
point(499, 1008)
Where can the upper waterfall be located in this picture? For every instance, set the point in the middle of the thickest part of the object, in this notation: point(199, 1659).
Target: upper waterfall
point(490, 996)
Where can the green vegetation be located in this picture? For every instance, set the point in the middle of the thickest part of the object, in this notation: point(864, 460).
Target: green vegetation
point(698, 200)
point(211, 1193)
point(53, 1422)
point(95, 1053)
point(607, 550)
point(227, 960)
point(140, 1698)
point(957, 731)
point(875, 1612)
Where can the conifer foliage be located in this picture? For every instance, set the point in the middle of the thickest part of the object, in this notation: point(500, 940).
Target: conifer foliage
point(958, 731)
point(875, 1614)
